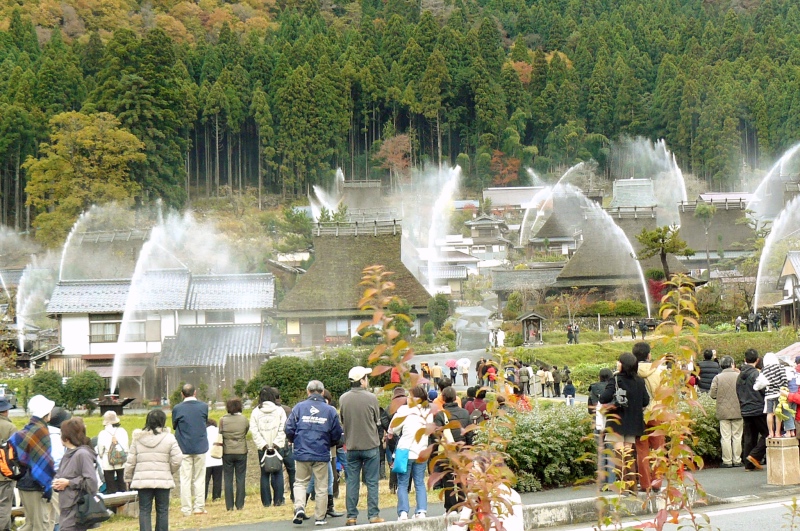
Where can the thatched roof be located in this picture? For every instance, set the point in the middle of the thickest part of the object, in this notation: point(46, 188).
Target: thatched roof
point(331, 285)
point(726, 229)
point(566, 219)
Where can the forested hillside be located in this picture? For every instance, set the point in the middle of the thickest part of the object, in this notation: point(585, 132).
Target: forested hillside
point(219, 94)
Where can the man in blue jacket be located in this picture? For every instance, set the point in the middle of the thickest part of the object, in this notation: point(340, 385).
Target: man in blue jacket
point(189, 422)
point(313, 427)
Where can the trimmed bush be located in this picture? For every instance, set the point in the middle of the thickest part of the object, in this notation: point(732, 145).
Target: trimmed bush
point(288, 374)
point(549, 445)
point(604, 308)
point(629, 308)
point(49, 384)
point(585, 374)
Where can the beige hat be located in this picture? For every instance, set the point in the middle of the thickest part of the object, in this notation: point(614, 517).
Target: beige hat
point(110, 418)
point(358, 372)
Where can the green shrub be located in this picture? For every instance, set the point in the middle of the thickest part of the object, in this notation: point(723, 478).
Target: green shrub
point(176, 397)
point(604, 308)
point(725, 327)
point(49, 384)
point(82, 388)
point(548, 446)
point(706, 429)
point(332, 368)
point(289, 374)
point(427, 331)
point(513, 339)
point(628, 307)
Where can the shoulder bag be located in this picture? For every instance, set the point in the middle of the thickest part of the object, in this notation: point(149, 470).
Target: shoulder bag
point(216, 446)
point(91, 509)
point(271, 461)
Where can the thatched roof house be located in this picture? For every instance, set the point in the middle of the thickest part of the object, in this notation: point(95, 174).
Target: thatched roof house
point(323, 306)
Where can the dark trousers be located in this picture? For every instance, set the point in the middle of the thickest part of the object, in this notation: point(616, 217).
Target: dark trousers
point(525, 387)
point(271, 485)
point(557, 387)
point(214, 473)
point(288, 464)
point(115, 480)
point(146, 498)
point(234, 463)
point(754, 440)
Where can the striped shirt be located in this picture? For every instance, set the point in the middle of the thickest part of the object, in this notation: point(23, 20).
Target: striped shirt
point(776, 375)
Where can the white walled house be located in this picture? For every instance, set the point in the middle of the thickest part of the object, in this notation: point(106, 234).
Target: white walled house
point(166, 305)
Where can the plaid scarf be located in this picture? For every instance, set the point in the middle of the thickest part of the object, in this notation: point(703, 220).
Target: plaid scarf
point(33, 447)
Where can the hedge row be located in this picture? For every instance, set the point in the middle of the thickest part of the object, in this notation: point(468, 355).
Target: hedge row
point(291, 374)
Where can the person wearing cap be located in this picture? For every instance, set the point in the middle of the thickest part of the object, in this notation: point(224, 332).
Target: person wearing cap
point(313, 427)
point(110, 436)
point(7, 429)
point(33, 447)
point(189, 422)
point(57, 417)
point(361, 417)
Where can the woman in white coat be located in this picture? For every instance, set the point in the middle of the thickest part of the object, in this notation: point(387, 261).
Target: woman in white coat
point(110, 440)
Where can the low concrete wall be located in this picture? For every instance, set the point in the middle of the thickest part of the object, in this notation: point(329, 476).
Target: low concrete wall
point(536, 516)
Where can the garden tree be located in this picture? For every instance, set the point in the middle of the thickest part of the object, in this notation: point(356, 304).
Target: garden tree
point(394, 155)
point(433, 88)
point(661, 242)
point(87, 161)
point(438, 309)
point(296, 231)
point(705, 213)
point(82, 388)
point(49, 384)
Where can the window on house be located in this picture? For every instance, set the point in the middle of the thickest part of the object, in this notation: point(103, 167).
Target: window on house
point(336, 327)
point(104, 328)
point(219, 317)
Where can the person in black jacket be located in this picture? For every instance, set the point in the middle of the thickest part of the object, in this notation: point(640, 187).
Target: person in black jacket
point(597, 388)
point(453, 494)
point(626, 422)
point(751, 402)
point(708, 368)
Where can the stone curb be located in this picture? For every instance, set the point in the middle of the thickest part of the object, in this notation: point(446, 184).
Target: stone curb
point(584, 510)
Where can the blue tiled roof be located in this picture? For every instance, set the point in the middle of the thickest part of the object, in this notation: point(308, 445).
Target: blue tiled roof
point(213, 345)
point(165, 290)
point(231, 292)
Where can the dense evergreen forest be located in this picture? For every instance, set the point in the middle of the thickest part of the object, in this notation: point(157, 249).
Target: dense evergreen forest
point(226, 96)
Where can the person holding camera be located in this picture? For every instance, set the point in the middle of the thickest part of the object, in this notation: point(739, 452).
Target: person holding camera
point(626, 394)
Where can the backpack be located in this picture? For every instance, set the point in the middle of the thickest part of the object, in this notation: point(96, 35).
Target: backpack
point(477, 416)
point(117, 456)
point(10, 466)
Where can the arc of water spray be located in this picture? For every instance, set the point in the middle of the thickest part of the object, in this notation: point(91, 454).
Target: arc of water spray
point(777, 167)
point(439, 219)
point(774, 236)
point(68, 241)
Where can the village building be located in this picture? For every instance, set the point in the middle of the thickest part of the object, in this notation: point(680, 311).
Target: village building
point(323, 309)
point(173, 312)
point(789, 283)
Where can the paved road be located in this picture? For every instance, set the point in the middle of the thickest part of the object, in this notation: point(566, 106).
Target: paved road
point(772, 516)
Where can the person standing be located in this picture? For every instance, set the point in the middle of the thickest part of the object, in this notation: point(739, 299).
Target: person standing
point(189, 422)
point(729, 413)
point(627, 423)
point(651, 373)
point(288, 456)
point(77, 473)
point(556, 381)
point(111, 436)
point(33, 447)
point(633, 329)
point(313, 427)
point(709, 369)
point(611, 332)
point(643, 328)
point(415, 415)
point(453, 493)
point(620, 327)
point(436, 374)
point(751, 403)
point(234, 427)
point(7, 429)
point(361, 416)
point(152, 462)
point(465, 374)
point(525, 379)
point(213, 465)
point(267, 424)
point(576, 330)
